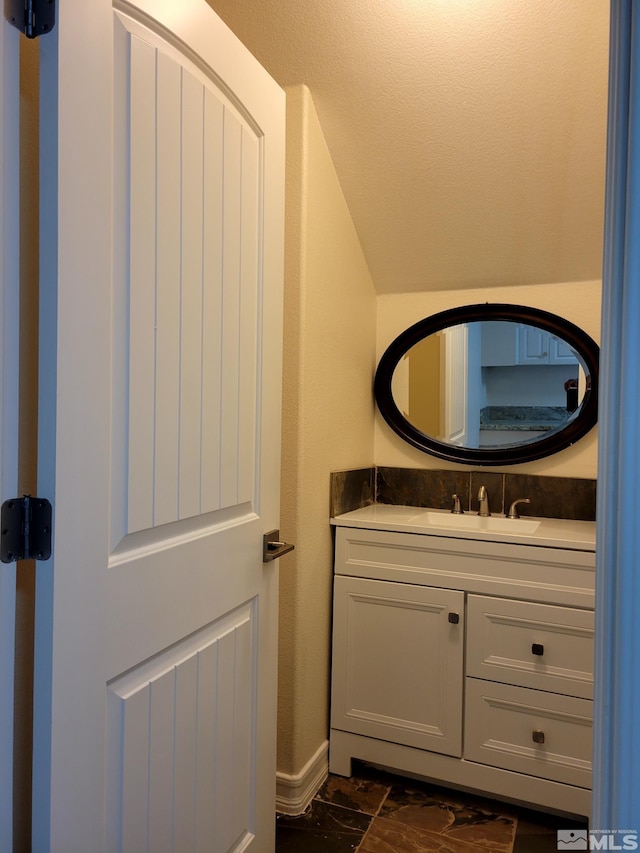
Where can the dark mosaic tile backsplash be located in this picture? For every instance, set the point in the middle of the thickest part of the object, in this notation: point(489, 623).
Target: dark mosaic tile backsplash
point(551, 497)
point(352, 489)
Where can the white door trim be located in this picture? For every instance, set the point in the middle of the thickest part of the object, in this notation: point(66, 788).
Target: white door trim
point(616, 763)
point(9, 308)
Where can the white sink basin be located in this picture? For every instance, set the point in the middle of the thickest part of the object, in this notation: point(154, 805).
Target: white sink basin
point(469, 521)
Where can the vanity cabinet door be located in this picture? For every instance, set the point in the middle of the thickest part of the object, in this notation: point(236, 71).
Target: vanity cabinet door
point(398, 663)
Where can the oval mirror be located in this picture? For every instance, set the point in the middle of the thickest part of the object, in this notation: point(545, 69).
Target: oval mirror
point(491, 384)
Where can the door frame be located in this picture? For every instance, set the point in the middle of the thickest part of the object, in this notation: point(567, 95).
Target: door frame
point(606, 749)
point(9, 339)
point(616, 754)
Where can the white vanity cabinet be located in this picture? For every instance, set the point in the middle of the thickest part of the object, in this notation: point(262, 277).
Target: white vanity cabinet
point(467, 661)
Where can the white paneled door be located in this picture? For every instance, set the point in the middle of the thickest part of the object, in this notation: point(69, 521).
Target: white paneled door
point(161, 236)
point(456, 382)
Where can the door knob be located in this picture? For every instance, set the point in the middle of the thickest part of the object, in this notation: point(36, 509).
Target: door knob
point(273, 547)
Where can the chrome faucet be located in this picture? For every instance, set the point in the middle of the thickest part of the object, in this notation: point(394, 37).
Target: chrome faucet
point(513, 509)
point(484, 502)
point(457, 509)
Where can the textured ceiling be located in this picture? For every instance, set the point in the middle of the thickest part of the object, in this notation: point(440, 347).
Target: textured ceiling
point(468, 135)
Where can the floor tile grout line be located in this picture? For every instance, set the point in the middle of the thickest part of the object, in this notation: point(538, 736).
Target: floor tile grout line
point(319, 799)
point(346, 808)
point(383, 800)
point(364, 835)
point(377, 814)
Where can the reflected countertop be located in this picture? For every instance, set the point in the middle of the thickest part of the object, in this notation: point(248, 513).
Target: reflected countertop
point(530, 418)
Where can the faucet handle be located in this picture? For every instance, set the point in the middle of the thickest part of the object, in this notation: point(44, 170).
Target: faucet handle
point(456, 509)
point(483, 498)
point(513, 509)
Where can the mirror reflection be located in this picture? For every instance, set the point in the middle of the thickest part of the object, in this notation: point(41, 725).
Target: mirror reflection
point(489, 383)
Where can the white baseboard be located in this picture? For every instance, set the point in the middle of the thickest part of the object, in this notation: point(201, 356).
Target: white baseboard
point(294, 793)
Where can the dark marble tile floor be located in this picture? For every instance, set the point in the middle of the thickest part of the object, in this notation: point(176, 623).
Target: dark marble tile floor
point(377, 812)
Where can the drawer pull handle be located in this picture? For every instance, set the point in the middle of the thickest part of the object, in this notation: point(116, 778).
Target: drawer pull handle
point(537, 649)
point(538, 736)
point(454, 618)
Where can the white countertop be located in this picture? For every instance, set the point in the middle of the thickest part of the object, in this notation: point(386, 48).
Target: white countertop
point(549, 532)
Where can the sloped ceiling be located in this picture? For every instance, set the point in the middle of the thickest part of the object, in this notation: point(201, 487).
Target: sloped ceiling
point(468, 135)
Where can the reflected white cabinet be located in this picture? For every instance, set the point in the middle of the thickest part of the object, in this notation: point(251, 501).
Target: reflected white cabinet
point(538, 347)
point(510, 344)
point(465, 662)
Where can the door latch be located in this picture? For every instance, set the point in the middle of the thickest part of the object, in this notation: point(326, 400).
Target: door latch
point(25, 529)
point(273, 547)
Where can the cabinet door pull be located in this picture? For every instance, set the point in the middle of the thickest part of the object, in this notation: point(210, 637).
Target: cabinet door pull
point(537, 649)
point(454, 618)
point(537, 736)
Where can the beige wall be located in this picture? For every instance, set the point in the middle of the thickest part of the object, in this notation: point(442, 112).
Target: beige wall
point(578, 302)
point(328, 414)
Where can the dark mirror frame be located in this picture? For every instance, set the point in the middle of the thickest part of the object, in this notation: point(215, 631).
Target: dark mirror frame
point(585, 347)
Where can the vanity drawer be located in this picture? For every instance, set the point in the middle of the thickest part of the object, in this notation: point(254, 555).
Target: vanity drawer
point(530, 645)
point(553, 575)
point(529, 731)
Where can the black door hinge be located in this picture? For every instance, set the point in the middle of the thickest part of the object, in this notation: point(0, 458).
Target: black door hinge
point(32, 17)
point(25, 529)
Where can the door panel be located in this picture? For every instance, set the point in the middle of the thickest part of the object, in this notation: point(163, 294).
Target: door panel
point(191, 379)
point(166, 365)
point(169, 721)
